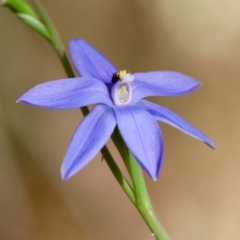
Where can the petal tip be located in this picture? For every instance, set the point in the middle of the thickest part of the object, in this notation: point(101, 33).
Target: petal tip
point(65, 174)
point(210, 143)
point(154, 179)
point(26, 98)
point(21, 99)
point(196, 85)
point(64, 179)
point(153, 176)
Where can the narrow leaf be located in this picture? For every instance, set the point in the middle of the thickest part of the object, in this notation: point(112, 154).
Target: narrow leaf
point(19, 6)
point(35, 24)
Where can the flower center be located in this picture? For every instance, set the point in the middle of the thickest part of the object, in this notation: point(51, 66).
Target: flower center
point(122, 90)
point(122, 76)
point(123, 93)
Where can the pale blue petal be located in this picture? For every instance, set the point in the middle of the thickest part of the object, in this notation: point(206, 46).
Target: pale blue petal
point(169, 117)
point(142, 135)
point(67, 94)
point(88, 62)
point(162, 83)
point(88, 139)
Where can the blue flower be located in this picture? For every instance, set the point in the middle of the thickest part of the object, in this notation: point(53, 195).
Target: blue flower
point(118, 98)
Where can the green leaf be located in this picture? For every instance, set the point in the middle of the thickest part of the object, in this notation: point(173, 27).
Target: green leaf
point(19, 6)
point(36, 25)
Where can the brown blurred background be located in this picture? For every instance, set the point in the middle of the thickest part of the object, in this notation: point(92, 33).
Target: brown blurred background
point(197, 195)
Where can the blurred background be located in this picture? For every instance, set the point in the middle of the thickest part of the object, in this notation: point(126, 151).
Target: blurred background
point(197, 194)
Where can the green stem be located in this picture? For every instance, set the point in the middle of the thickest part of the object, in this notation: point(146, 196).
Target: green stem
point(59, 47)
point(118, 174)
point(142, 201)
point(121, 147)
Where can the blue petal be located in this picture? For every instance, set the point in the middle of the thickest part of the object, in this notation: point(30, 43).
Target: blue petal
point(67, 94)
point(142, 135)
point(88, 139)
point(167, 116)
point(162, 83)
point(88, 62)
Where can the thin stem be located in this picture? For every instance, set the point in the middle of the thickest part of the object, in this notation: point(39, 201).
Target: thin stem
point(117, 173)
point(142, 201)
point(121, 147)
point(59, 47)
point(57, 42)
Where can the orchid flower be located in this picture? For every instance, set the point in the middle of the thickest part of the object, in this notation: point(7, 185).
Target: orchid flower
point(118, 97)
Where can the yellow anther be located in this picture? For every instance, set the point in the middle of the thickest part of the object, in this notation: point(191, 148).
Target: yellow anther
point(121, 74)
